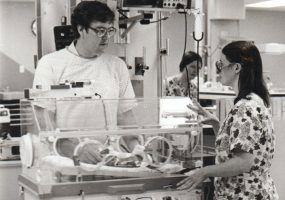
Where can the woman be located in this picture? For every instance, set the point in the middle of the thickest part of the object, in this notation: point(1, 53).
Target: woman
point(245, 141)
point(179, 85)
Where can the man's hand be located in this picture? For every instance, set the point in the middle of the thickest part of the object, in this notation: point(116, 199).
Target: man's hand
point(89, 153)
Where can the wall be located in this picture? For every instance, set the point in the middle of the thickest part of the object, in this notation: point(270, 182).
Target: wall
point(17, 44)
point(262, 27)
point(147, 36)
point(259, 26)
point(174, 29)
point(141, 36)
point(265, 27)
point(51, 13)
point(277, 169)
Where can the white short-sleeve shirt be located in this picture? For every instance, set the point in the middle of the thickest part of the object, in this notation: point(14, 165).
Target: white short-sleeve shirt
point(109, 74)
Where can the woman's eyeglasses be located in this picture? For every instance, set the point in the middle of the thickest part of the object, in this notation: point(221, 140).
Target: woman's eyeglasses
point(220, 66)
point(100, 31)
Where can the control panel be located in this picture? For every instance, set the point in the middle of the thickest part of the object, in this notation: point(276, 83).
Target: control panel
point(180, 4)
point(175, 4)
point(165, 195)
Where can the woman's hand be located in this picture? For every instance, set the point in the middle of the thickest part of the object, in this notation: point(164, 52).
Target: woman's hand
point(208, 118)
point(192, 181)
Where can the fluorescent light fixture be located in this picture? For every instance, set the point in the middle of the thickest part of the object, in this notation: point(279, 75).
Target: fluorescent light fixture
point(267, 4)
point(271, 48)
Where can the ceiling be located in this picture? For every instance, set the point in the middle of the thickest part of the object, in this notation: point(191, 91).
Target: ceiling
point(281, 8)
point(17, 0)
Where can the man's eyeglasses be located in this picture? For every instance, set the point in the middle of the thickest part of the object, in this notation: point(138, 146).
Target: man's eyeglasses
point(100, 31)
point(220, 66)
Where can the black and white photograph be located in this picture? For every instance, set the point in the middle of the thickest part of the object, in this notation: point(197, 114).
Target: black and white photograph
point(142, 99)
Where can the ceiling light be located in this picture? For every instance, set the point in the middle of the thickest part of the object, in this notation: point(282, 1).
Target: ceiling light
point(267, 4)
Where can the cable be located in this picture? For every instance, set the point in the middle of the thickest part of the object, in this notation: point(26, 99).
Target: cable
point(121, 12)
point(184, 50)
point(144, 198)
point(185, 40)
point(208, 190)
point(97, 94)
point(164, 18)
point(164, 71)
point(198, 70)
point(188, 82)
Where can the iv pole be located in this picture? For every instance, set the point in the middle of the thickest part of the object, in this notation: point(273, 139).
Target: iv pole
point(198, 40)
point(198, 36)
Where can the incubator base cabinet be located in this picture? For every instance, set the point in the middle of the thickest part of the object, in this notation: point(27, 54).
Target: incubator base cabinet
point(104, 190)
point(9, 172)
point(93, 148)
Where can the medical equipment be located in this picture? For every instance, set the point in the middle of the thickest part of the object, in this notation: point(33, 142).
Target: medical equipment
point(4, 115)
point(10, 125)
point(9, 147)
point(140, 156)
point(155, 4)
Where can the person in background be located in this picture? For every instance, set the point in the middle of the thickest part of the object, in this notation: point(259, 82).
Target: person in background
point(179, 85)
point(84, 60)
point(245, 141)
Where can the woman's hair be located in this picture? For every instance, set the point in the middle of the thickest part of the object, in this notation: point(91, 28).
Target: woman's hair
point(251, 75)
point(88, 11)
point(188, 58)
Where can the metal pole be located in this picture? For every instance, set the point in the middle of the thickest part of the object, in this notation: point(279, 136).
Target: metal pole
point(39, 32)
point(159, 68)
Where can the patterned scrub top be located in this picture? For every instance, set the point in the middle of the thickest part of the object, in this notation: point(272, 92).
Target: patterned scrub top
point(175, 88)
point(248, 127)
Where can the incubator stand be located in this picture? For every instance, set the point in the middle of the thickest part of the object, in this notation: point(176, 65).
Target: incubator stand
point(142, 148)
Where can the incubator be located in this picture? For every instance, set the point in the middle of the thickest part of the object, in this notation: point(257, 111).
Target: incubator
point(74, 147)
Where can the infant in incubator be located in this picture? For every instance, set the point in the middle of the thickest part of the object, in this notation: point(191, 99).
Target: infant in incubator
point(122, 151)
point(117, 151)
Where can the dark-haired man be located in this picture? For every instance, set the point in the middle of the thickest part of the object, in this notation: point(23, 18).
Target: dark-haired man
point(85, 59)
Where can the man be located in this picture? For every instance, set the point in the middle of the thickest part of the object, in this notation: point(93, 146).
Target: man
point(85, 59)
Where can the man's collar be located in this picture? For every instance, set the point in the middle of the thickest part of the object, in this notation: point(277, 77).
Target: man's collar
point(72, 48)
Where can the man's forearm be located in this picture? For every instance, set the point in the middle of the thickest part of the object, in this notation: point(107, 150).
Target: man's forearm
point(127, 118)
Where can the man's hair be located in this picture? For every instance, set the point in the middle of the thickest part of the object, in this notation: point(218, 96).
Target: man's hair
point(251, 75)
point(188, 58)
point(87, 12)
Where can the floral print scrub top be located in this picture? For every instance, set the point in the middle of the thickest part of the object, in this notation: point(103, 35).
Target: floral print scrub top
point(175, 88)
point(248, 127)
